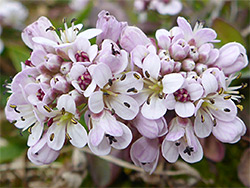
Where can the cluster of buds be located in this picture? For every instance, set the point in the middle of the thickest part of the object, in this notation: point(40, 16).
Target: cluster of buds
point(120, 91)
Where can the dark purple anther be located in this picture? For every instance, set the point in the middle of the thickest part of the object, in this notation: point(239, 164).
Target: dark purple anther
point(84, 80)
point(50, 122)
point(40, 94)
point(28, 63)
point(182, 95)
point(82, 57)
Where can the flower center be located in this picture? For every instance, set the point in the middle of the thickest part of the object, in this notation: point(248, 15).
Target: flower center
point(40, 94)
point(82, 57)
point(182, 95)
point(84, 80)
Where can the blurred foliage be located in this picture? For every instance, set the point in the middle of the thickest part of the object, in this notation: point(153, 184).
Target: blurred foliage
point(229, 27)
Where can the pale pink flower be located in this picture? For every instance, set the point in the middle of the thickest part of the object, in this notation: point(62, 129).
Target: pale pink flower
point(145, 153)
point(166, 7)
point(182, 141)
point(107, 132)
point(114, 92)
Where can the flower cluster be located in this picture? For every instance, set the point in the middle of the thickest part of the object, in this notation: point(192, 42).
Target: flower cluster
point(124, 87)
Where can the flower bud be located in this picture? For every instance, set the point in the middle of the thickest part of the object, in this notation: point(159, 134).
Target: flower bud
point(188, 64)
point(131, 37)
point(232, 58)
point(193, 53)
point(177, 66)
point(59, 84)
point(179, 50)
point(53, 62)
point(111, 28)
point(200, 68)
point(66, 67)
point(43, 78)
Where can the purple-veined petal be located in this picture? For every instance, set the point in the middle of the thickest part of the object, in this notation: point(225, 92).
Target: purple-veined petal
point(185, 26)
point(102, 74)
point(96, 135)
point(195, 91)
point(95, 102)
point(209, 82)
point(103, 148)
point(169, 151)
point(204, 35)
point(225, 110)
point(229, 132)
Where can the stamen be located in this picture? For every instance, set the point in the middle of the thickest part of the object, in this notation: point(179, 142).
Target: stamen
point(22, 118)
point(136, 76)
point(188, 150)
point(132, 90)
point(68, 137)
point(228, 97)
point(112, 111)
point(52, 136)
point(73, 120)
point(221, 91)
point(202, 119)
point(63, 111)
point(239, 75)
point(29, 130)
point(110, 82)
point(13, 106)
point(147, 74)
point(240, 107)
point(177, 143)
point(127, 104)
point(73, 20)
point(148, 100)
point(160, 95)
point(47, 108)
point(227, 110)
point(51, 28)
point(123, 77)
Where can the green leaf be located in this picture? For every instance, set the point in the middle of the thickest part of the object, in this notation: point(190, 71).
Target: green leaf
point(18, 54)
point(226, 32)
point(10, 152)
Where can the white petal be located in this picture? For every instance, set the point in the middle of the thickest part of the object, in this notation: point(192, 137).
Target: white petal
point(195, 156)
point(128, 81)
point(203, 124)
point(67, 102)
point(209, 82)
point(184, 109)
point(56, 136)
point(95, 102)
point(44, 41)
point(169, 151)
point(151, 65)
point(172, 82)
point(124, 140)
point(78, 135)
point(90, 33)
point(155, 109)
point(125, 106)
point(102, 74)
point(195, 91)
point(36, 133)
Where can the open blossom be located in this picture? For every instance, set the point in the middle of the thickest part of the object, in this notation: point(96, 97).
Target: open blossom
point(127, 86)
point(107, 132)
point(114, 93)
point(182, 141)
